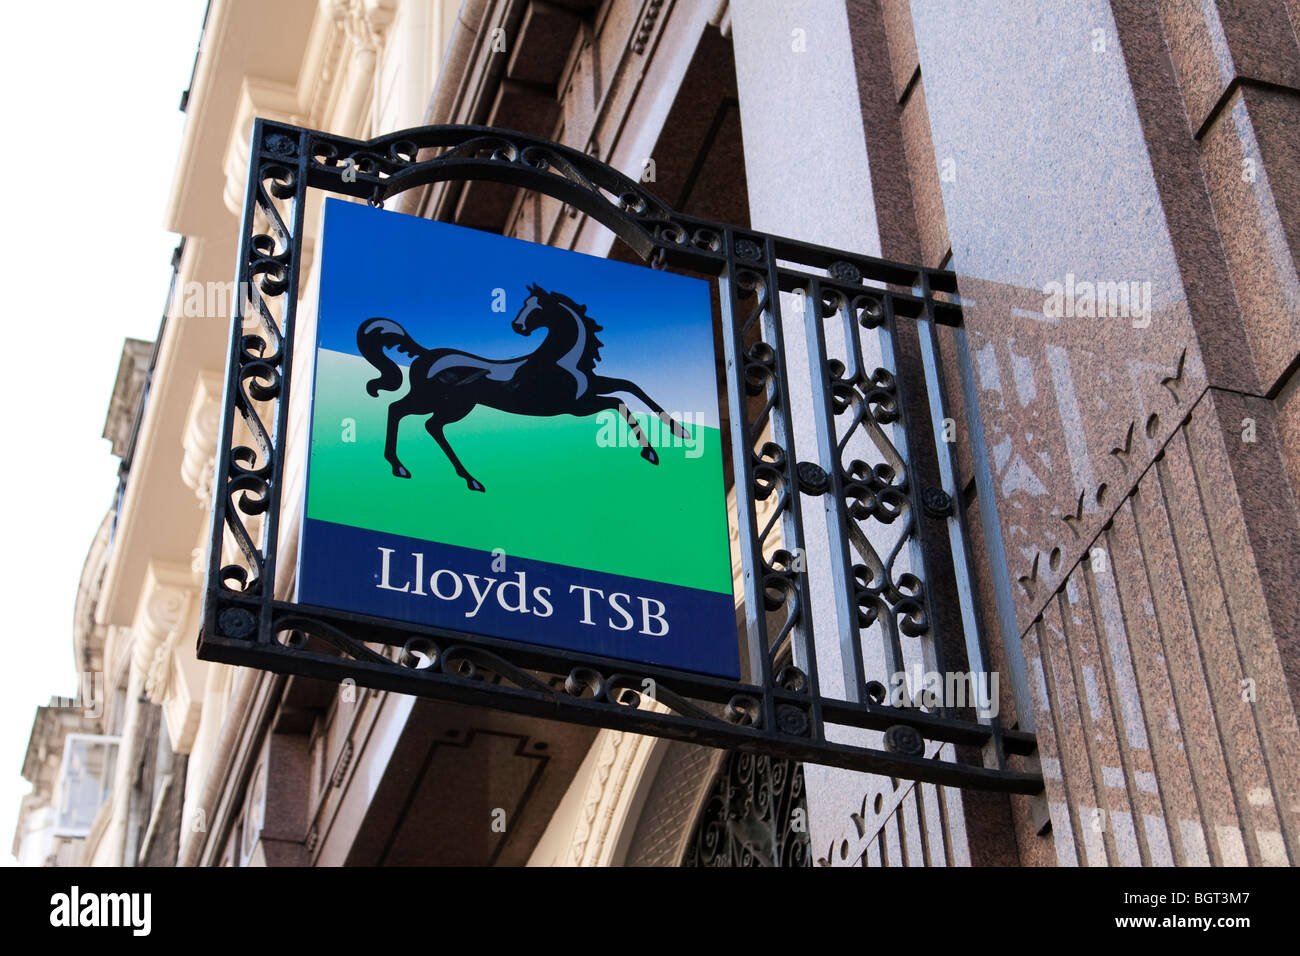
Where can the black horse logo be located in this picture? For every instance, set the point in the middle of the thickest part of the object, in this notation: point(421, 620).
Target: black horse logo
point(557, 379)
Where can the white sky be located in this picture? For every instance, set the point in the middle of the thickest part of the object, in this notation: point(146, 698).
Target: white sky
point(91, 123)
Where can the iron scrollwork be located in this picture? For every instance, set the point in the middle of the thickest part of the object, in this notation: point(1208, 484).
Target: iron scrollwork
point(754, 816)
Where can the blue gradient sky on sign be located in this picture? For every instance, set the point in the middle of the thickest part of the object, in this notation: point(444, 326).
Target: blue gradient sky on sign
point(438, 280)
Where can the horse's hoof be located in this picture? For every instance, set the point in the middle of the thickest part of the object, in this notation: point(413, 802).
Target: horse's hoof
point(401, 472)
point(475, 485)
point(649, 455)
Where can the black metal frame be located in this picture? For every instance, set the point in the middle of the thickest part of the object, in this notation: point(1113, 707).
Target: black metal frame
point(779, 711)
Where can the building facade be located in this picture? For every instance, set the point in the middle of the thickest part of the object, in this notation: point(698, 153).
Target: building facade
point(1116, 186)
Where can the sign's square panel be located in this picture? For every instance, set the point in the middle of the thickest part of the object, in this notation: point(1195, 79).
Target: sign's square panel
point(516, 441)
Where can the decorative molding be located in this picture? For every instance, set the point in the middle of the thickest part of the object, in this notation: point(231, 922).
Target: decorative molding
point(132, 370)
point(609, 805)
point(258, 98)
point(202, 428)
point(117, 657)
point(327, 58)
point(1089, 514)
point(365, 22)
point(170, 676)
point(164, 601)
point(641, 40)
point(608, 743)
point(88, 634)
point(182, 711)
point(309, 98)
point(340, 773)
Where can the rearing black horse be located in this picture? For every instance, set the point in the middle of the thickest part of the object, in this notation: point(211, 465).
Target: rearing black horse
point(557, 379)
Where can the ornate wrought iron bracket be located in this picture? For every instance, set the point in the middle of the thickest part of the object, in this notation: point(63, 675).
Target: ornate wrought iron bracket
point(880, 556)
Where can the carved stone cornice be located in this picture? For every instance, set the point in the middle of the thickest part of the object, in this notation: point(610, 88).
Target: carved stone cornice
point(132, 370)
point(257, 98)
point(365, 22)
point(162, 649)
point(164, 605)
point(202, 425)
point(340, 61)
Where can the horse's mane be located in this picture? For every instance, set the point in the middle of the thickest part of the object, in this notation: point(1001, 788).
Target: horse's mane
point(591, 353)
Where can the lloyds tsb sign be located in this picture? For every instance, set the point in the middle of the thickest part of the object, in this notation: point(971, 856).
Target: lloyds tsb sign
point(516, 441)
point(515, 493)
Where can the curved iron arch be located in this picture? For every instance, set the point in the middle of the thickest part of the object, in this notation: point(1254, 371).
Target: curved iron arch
point(384, 167)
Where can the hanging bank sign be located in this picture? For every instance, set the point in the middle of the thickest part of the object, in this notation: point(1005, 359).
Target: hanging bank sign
point(516, 441)
point(514, 474)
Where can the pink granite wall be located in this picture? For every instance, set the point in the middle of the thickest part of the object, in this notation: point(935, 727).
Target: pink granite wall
point(1145, 473)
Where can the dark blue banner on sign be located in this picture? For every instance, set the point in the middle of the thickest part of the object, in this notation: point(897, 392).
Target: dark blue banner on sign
point(463, 589)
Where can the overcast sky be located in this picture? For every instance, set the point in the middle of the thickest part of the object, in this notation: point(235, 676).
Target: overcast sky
point(90, 113)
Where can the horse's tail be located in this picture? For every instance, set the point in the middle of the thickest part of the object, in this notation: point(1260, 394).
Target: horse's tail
point(375, 335)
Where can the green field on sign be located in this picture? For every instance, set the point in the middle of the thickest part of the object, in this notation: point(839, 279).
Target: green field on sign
point(553, 492)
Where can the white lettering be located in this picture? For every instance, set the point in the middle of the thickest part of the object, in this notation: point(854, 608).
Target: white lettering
point(433, 585)
point(586, 601)
point(622, 611)
point(647, 617)
point(103, 909)
point(479, 598)
point(522, 606)
point(540, 595)
point(419, 573)
point(383, 578)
